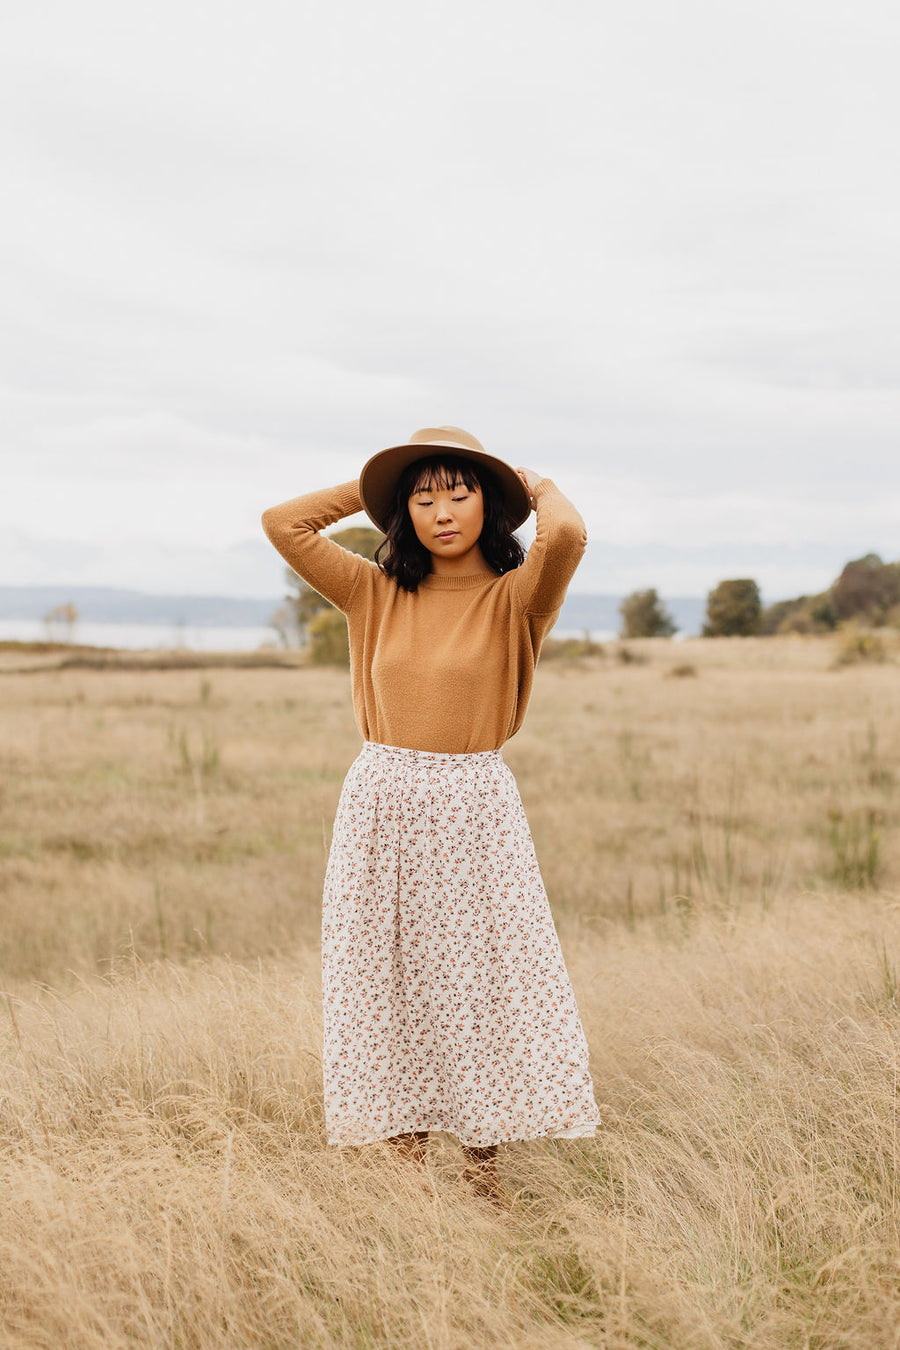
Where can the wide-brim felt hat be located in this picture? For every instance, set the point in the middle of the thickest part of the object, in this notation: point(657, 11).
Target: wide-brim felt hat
point(380, 474)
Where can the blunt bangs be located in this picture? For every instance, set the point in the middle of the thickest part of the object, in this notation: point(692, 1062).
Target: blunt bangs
point(440, 473)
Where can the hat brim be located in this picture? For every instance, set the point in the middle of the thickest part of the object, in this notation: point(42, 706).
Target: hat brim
point(380, 474)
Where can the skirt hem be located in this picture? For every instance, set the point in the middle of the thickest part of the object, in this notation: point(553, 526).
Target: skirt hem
point(586, 1131)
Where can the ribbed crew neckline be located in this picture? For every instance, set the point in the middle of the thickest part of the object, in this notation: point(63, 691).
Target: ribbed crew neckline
point(433, 582)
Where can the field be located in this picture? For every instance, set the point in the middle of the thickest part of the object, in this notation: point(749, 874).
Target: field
point(717, 827)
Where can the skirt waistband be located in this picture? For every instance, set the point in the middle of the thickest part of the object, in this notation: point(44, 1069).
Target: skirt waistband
point(427, 758)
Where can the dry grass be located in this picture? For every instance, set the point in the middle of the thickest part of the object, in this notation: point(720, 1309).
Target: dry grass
point(721, 854)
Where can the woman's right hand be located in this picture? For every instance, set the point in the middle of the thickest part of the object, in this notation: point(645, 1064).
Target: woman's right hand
point(531, 480)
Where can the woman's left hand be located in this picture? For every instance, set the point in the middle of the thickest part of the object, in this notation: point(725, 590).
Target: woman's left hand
point(530, 479)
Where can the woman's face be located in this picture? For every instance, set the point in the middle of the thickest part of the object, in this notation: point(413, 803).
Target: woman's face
point(448, 522)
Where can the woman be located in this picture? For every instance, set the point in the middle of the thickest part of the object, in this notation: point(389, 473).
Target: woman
point(446, 1001)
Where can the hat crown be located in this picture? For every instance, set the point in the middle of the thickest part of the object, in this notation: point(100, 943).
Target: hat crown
point(446, 436)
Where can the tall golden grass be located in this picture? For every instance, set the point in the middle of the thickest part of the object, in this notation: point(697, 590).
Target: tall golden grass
point(721, 853)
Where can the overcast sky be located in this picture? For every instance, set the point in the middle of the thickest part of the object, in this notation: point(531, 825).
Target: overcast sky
point(647, 248)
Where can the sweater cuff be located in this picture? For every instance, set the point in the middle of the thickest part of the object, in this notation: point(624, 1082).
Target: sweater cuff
point(349, 498)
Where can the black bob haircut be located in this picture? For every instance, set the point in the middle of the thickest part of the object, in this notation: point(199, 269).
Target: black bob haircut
point(407, 561)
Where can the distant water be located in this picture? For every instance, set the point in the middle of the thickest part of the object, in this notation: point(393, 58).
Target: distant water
point(144, 636)
point(191, 637)
point(595, 634)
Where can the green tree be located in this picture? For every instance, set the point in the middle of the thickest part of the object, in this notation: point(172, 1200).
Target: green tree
point(805, 614)
point(867, 589)
point(329, 643)
point(644, 615)
point(317, 622)
point(733, 609)
point(783, 616)
point(306, 604)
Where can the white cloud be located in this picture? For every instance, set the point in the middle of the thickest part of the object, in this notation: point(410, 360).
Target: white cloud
point(649, 249)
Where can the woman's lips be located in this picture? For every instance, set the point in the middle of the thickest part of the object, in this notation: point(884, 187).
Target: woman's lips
point(448, 534)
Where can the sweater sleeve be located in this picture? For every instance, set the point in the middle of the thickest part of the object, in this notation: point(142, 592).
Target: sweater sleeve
point(542, 580)
point(293, 527)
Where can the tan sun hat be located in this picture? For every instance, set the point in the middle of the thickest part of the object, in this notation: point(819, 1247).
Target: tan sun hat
point(380, 474)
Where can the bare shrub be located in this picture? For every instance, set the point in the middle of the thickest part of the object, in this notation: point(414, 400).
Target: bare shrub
point(855, 842)
point(570, 649)
point(855, 645)
point(683, 670)
point(627, 656)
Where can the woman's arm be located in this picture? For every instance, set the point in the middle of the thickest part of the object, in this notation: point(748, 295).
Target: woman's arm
point(294, 529)
point(541, 582)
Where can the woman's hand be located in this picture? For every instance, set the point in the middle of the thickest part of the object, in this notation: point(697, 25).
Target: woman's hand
point(531, 480)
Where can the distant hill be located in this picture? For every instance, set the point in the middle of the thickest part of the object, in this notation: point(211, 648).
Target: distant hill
point(108, 604)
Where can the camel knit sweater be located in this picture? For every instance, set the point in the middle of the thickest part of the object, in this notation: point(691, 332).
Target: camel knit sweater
point(448, 667)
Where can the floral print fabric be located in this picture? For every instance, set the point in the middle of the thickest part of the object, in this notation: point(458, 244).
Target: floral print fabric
point(447, 1005)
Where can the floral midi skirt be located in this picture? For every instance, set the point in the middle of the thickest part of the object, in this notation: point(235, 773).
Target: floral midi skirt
point(446, 1001)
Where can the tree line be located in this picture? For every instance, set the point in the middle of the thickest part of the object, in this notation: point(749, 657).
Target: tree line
point(867, 590)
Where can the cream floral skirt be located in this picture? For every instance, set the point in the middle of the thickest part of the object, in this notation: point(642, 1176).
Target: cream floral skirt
point(446, 1001)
